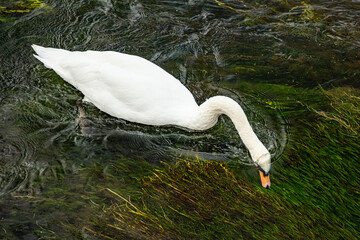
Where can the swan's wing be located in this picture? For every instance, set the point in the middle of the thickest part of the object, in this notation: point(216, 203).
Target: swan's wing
point(134, 96)
point(123, 86)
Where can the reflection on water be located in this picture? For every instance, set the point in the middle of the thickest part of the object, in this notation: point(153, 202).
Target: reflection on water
point(202, 43)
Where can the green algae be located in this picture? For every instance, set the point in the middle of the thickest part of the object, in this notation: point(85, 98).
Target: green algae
point(344, 109)
point(11, 10)
point(20, 6)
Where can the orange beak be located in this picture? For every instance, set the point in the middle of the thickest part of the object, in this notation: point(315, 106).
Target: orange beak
point(265, 179)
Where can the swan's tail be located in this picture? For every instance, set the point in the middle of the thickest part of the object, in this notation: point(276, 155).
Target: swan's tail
point(52, 58)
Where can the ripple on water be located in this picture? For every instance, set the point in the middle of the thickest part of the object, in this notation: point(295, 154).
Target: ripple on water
point(16, 152)
point(295, 43)
point(156, 144)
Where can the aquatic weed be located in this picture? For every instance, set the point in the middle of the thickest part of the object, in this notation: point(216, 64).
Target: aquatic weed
point(313, 195)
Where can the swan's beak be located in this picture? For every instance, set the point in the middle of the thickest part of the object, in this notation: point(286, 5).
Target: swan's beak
point(265, 179)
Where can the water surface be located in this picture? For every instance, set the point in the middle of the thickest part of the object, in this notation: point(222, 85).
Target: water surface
point(209, 46)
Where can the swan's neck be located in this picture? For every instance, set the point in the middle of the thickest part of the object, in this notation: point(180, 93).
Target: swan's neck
point(207, 115)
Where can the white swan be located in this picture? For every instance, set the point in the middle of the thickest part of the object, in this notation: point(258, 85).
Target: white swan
point(135, 89)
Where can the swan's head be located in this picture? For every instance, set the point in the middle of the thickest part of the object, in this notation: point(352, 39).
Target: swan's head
point(264, 164)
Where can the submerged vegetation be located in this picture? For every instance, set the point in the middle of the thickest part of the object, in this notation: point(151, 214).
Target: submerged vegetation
point(313, 196)
point(315, 182)
point(10, 9)
point(192, 200)
point(344, 109)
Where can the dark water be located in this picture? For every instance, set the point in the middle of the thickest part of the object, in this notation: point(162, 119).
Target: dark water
point(205, 44)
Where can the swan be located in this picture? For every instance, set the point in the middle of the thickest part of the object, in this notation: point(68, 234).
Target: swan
point(135, 89)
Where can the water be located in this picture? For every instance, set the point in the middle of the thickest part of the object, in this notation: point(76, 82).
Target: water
point(207, 45)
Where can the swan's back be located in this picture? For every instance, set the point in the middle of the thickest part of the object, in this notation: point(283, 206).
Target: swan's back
point(122, 85)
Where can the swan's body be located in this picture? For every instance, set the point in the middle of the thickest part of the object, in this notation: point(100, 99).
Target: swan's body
point(134, 89)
